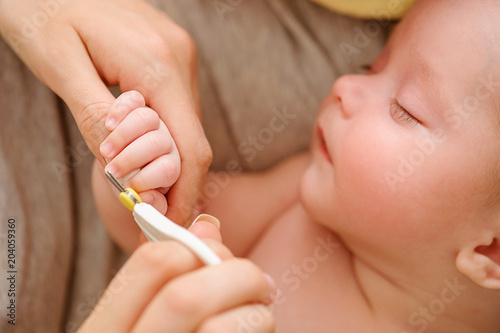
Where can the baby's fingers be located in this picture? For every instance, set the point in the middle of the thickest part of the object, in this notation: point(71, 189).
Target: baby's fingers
point(135, 124)
point(140, 152)
point(160, 174)
point(155, 199)
point(124, 104)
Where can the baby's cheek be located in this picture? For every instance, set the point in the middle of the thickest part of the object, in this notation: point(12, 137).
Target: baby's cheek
point(381, 209)
point(363, 165)
point(366, 194)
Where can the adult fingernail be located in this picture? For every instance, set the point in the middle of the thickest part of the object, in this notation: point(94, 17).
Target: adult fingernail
point(110, 123)
point(273, 287)
point(106, 149)
point(207, 218)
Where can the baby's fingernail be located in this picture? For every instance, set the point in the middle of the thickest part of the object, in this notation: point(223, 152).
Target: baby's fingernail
point(107, 149)
point(110, 123)
point(112, 170)
point(273, 287)
point(207, 218)
point(148, 198)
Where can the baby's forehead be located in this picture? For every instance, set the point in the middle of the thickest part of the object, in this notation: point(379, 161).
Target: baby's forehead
point(456, 46)
point(467, 25)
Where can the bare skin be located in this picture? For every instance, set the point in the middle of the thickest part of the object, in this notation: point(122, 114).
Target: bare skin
point(354, 243)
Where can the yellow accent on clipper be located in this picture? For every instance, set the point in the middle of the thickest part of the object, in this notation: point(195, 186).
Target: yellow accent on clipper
point(127, 200)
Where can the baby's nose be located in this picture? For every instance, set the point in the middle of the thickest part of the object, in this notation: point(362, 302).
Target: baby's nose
point(348, 92)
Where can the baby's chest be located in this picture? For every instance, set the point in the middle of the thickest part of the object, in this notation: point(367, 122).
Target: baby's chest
point(312, 270)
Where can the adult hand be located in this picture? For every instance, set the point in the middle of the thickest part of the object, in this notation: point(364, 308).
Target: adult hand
point(78, 48)
point(162, 288)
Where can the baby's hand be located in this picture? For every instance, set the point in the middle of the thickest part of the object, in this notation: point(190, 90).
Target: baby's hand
point(139, 139)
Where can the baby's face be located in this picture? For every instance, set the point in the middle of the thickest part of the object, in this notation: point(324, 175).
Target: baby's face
point(406, 155)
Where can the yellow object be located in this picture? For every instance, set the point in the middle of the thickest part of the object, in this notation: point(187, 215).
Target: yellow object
point(127, 201)
point(369, 9)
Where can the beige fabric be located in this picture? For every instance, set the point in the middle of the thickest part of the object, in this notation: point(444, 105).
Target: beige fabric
point(259, 62)
point(62, 252)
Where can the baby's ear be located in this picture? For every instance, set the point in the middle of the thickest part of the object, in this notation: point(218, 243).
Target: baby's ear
point(481, 263)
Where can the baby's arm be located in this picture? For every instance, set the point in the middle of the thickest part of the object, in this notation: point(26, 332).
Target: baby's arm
point(139, 140)
point(251, 201)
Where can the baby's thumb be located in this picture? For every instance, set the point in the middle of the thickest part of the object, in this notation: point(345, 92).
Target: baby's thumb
point(206, 226)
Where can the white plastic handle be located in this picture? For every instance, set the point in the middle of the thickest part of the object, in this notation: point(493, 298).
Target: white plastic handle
point(157, 228)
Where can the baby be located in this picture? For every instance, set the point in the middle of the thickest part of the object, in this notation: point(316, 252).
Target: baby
point(391, 223)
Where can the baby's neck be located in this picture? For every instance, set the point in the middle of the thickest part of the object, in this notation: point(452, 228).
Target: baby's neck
point(404, 305)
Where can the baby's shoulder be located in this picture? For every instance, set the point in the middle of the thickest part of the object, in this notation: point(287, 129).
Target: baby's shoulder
point(311, 266)
point(301, 241)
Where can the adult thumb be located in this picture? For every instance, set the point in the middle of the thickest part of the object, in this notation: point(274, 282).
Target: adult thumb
point(206, 226)
point(72, 75)
point(91, 123)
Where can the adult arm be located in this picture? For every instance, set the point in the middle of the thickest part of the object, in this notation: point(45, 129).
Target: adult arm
point(79, 47)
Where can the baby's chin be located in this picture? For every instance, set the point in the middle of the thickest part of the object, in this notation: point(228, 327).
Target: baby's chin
point(311, 196)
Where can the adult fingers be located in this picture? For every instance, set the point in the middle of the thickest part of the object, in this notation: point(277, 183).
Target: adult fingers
point(206, 227)
point(147, 271)
point(188, 300)
point(179, 113)
point(255, 318)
